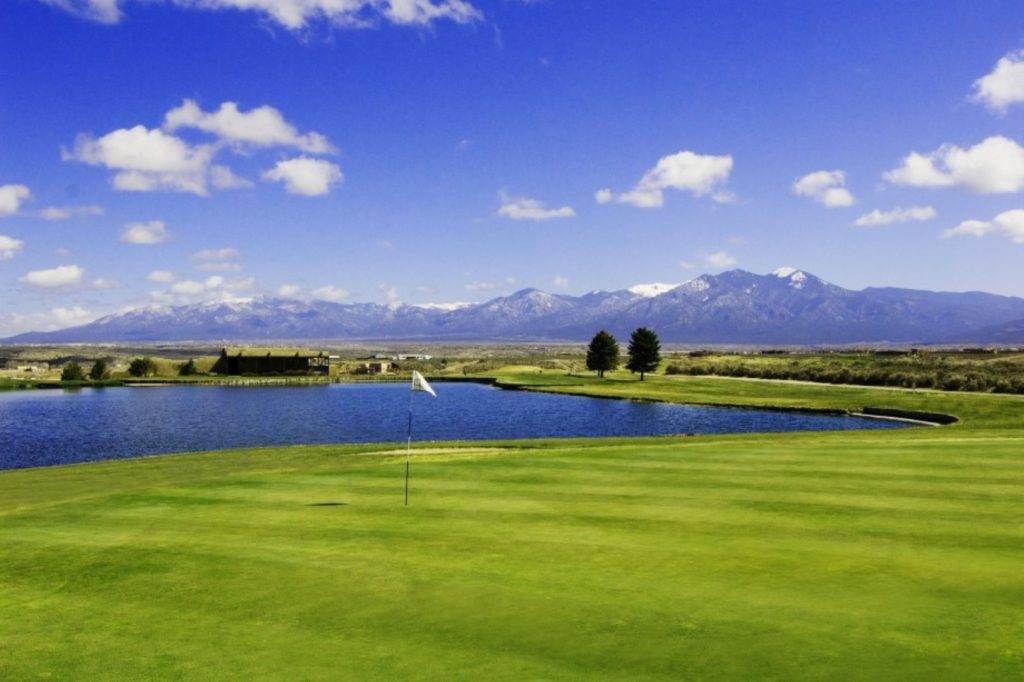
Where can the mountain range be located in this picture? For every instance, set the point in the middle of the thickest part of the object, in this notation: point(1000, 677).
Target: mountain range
point(786, 307)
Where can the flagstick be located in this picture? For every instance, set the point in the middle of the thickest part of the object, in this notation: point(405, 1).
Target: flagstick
point(408, 449)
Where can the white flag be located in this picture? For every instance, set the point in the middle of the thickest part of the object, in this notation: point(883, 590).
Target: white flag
point(420, 384)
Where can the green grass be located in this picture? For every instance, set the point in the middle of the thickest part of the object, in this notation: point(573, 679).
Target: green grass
point(861, 555)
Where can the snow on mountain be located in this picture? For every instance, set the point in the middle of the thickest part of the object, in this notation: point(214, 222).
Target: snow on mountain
point(651, 290)
point(788, 306)
point(442, 306)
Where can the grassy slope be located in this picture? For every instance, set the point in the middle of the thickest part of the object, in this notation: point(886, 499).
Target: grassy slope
point(852, 555)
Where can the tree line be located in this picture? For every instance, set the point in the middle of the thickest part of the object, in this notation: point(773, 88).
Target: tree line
point(138, 368)
point(644, 352)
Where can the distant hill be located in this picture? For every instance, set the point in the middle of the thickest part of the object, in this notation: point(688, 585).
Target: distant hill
point(1006, 334)
point(786, 307)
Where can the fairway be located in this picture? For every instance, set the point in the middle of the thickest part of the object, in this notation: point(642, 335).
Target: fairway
point(870, 555)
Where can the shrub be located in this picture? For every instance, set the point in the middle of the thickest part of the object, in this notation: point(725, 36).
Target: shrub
point(99, 370)
point(72, 371)
point(142, 367)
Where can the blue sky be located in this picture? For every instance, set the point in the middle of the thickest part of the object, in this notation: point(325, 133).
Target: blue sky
point(439, 151)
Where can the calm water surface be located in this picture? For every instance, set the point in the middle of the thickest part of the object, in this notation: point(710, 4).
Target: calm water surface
point(46, 427)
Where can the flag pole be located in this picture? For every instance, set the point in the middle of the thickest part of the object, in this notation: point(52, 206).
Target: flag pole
point(418, 384)
point(408, 449)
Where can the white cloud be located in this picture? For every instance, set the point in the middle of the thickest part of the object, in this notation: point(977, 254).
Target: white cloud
point(222, 177)
point(685, 171)
point(825, 187)
point(71, 317)
point(297, 14)
point(969, 228)
point(897, 215)
point(44, 320)
point(9, 247)
point(305, 176)
point(146, 160)
point(104, 283)
point(289, 291)
point(55, 213)
point(62, 276)
point(560, 282)
point(214, 266)
point(101, 11)
point(62, 252)
point(153, 232)
point(213, 289)
point(385, 244)
point(1009, 223)
point(330, 293)
point(187, 287)
point(1004, 85)
point(523, 208)
point(687, 265)
point(163, 276)
point(721, 259)
point(390, 292)
point(482, 286)
point(263, 126)
point(425, 11)
point(603, 196)
point(216, 254)
point(995, 165)
point(12, 197)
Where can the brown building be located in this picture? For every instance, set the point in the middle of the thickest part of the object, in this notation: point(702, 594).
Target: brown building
point(255, 361)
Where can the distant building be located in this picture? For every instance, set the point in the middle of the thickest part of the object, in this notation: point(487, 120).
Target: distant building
point(257, 361)
point(373, 368)
point(395, 356)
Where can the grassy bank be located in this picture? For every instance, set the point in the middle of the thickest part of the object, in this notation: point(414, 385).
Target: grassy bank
point(860, 555)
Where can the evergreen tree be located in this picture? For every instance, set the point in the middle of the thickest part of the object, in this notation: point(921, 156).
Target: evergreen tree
point(602, 353)
point(644, 352)
point(99, 370)
point(72, 372)
point(188, 368)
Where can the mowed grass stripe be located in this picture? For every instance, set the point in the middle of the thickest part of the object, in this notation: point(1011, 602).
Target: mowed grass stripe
point(793, 556)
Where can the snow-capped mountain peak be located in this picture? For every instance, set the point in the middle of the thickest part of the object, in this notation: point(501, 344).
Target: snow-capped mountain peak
point(788, 306)
point(796, 277)
point(651, 290)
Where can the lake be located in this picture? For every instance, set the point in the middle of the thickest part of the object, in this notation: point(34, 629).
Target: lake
point(47, 427)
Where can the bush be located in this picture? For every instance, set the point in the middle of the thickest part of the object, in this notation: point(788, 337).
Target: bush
point(188, 369)
point(72, 371)
point(99, 370)
point(142, 367)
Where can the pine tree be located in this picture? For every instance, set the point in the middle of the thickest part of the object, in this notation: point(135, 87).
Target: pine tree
point(644, 352)
point(602, 353)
